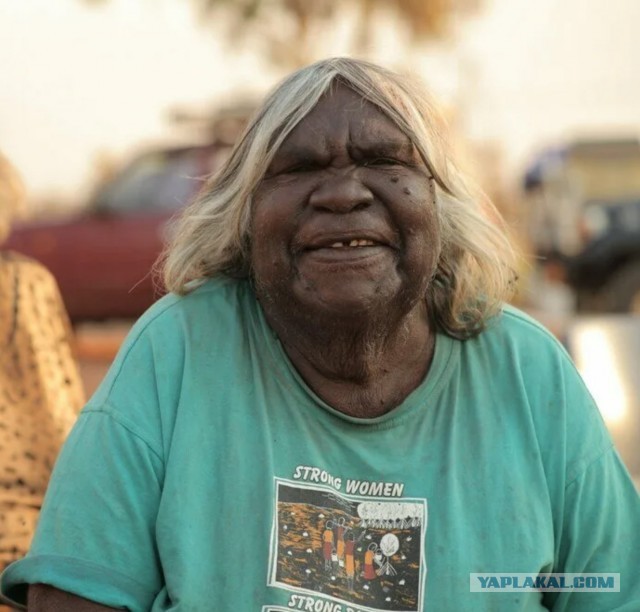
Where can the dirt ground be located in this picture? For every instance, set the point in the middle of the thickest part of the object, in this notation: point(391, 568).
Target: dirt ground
point(96, 346)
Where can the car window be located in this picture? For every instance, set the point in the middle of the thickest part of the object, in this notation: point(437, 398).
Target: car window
point(156, 182)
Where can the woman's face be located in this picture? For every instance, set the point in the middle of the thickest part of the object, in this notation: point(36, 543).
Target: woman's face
point(344, 221)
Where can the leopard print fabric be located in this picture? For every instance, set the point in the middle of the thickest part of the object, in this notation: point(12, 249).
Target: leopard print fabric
point(40, 395)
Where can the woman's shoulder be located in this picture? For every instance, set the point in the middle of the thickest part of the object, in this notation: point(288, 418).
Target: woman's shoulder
point(179, 325)
point(519, 330)
point(515, 349)
point(213, 300)
point(167, 351)
point(25, 267)
point(29, 292)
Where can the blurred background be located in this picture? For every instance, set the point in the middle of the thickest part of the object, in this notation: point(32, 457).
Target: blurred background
point(114, 111)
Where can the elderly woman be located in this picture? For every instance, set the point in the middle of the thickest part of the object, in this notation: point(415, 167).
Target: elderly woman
point(40, 388)
point(334, 410)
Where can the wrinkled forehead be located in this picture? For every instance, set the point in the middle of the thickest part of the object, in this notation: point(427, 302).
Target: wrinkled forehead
point(344, 115)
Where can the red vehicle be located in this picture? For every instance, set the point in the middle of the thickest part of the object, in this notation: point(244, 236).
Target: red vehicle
point(103, 257)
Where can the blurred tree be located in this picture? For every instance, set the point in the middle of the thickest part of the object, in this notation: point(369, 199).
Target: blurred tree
point(289, 30)
point(298, 44)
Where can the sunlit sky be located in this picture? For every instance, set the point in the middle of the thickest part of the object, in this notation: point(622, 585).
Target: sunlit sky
point(78, 81)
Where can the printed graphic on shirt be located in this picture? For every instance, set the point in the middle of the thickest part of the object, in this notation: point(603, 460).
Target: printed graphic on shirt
point(357, 549)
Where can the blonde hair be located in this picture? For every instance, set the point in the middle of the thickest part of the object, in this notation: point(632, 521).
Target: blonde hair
point(12, 196)
point(475, 271)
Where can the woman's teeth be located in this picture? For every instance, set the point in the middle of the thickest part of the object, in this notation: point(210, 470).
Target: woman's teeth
point(353, 243)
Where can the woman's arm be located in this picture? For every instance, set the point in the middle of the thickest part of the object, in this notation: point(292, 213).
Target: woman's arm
point(45, 598)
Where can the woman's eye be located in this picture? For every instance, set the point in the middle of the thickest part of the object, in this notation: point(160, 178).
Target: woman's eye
point(293, 167)
point(299, 168)
point(381, 161)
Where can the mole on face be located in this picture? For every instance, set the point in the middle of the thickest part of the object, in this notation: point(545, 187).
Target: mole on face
point(406, 190)
point(395, 179)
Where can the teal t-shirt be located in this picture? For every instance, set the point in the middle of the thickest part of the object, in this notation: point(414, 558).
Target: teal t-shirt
point(205, 475)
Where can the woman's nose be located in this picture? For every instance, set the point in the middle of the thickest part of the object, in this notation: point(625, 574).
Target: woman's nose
point(341, 193)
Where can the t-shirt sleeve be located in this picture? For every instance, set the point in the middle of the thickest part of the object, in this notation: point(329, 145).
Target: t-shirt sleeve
point(95, 536)
point(596, 508)
point(600, 535)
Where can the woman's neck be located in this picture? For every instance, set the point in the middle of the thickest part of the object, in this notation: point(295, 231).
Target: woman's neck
point(361, 368)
